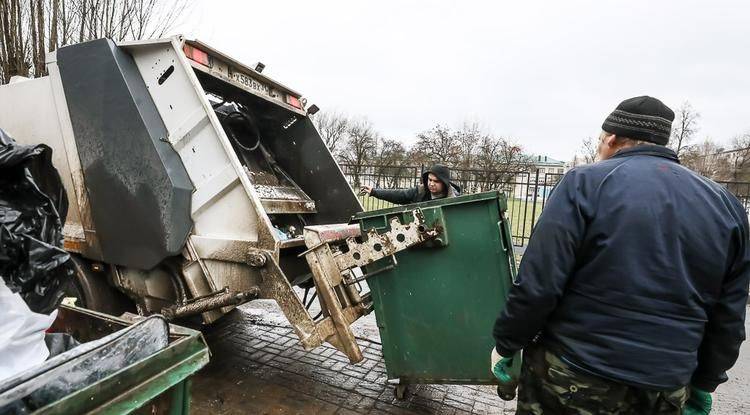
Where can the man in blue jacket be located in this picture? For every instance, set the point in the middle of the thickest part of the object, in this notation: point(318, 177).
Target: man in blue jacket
point(631, 295)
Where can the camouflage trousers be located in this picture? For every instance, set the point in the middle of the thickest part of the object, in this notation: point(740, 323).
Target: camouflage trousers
point(549, 386)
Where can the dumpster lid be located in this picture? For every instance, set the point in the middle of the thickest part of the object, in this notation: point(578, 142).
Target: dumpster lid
point(493, 194)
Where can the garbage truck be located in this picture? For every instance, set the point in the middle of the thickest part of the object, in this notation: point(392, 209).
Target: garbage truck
point(196, 183)
point(190, 178)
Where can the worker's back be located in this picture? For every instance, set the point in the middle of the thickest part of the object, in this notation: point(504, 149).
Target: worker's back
point(659, 246)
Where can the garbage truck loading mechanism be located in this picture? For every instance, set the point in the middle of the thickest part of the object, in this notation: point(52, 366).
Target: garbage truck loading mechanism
point(191, 178)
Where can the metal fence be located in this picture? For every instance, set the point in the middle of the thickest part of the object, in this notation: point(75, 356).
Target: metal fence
point(741, 190)
point(526, 192)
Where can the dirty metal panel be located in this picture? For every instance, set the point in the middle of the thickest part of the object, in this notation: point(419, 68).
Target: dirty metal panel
point(280, 192)
point(237, 277)
point(272, 206)
point(230, 250)
point(214, 187)
point(224, 203)
point(380, 245)
point(284, 199)
point(327, 277)
point(334, 328)
point(137, 185)
point(326, 328)
point(35, 111)
point(275, 285)
point(335, 232)
point(291, 243)
point(307, 160)
point(199, 285)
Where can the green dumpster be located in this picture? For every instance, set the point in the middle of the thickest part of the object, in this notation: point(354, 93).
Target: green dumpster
point(436, 303)
point(157, 384)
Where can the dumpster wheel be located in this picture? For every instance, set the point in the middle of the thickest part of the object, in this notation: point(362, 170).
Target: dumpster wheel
point(400, 391)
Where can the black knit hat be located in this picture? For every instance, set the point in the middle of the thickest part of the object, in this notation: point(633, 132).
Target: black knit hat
point(641, 118)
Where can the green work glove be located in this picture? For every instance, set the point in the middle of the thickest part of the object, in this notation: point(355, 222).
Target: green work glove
point(500, 366)
point(699, 402)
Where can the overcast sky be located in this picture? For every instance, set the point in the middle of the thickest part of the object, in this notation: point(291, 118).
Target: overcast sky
point(545, 73)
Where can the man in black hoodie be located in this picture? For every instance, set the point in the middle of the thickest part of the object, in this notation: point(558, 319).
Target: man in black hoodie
point(436, 184)
point(631, 294)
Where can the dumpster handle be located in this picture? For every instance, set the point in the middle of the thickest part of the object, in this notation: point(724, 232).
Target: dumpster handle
point(507, 243)
point(372, 274)
point(366, 276)
point(500, 228)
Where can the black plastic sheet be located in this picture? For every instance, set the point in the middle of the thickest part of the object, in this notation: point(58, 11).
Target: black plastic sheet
point(33, 206)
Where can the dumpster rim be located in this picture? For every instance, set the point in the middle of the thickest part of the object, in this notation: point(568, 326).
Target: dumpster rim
point(492, 194)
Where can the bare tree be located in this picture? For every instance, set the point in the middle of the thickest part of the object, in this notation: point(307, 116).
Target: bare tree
point(437, 145)
point(706, 158)
point(498, 162)
point(359, 148)
point(685, 127)
point(153, 18)
point(467, 138)
point(738, 159)
point(389, 158)
point(589, 150)
point(30, 28)
point(333, 128)
point(14, 59)
point(53, 38)
point(478, 159)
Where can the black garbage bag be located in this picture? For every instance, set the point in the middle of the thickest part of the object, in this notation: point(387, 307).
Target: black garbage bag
point(33, 206)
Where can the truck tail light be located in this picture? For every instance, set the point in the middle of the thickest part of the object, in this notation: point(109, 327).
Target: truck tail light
point(293, 101)
point(196, 55)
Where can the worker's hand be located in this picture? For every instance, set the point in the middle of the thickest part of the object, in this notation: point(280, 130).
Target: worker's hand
point(365, 190)
point(699, 402)
point(501, 366)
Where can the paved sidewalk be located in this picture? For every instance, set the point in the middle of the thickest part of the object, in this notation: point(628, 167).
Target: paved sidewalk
point(257, 366)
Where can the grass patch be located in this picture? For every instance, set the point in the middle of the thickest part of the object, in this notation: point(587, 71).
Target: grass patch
point(372, 203)
point(523, 216)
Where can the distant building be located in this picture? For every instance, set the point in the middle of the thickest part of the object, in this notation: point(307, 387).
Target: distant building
point(550, 171)
point(548, 165)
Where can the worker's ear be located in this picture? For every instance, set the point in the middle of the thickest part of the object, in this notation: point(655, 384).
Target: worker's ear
point(610, 140)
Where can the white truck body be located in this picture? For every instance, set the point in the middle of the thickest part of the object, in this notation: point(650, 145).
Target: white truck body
point(244, 238)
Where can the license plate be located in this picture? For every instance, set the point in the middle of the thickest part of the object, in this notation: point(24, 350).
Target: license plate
point(251, 83)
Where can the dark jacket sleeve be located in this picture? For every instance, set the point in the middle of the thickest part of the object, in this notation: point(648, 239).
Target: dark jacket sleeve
point(725, 328)
point(545, 268)
point(397, 196)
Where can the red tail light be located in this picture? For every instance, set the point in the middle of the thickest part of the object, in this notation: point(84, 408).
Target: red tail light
point(293, 101)
point(196, 55)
